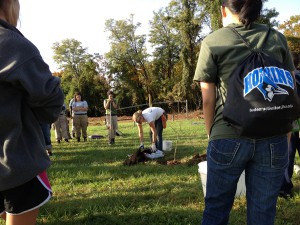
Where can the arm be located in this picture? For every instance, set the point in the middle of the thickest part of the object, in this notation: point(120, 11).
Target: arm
point(81, 108)
point(209, 103)
point(76, 109)
point(153, 130)
point(141, 133)
point(115, 105)
point(107, 106)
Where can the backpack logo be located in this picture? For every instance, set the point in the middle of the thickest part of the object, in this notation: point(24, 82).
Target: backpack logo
point(267, 81)
point(261, 96)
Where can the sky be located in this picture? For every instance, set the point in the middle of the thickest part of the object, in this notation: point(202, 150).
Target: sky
point(45, 22)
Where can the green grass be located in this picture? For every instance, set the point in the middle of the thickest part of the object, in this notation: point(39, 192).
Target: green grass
point(92, 186)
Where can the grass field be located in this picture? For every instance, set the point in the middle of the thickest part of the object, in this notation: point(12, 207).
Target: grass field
point(92, 186)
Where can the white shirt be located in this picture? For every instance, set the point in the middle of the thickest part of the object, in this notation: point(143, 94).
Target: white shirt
point(152, 114)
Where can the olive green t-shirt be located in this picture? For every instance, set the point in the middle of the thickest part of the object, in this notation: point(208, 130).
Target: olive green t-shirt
point(222, 51)
point(107, 111)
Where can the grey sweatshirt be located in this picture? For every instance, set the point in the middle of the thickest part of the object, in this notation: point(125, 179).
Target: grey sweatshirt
point(29, 94)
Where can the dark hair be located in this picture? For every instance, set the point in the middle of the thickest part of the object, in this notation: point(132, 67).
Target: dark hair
point(110, 92)
point(248, 10)
point(77, 93)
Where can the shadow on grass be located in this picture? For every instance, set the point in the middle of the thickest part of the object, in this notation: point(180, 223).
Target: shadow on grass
point(134, 207)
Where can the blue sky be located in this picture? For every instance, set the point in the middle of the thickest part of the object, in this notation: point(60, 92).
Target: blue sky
point(47, 21)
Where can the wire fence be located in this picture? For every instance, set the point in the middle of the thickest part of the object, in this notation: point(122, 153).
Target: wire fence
point(172, 108)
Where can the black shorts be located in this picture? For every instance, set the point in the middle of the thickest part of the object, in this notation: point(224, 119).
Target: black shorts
point(26, 197)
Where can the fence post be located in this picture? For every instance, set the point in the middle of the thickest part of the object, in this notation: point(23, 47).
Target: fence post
point(186, 109)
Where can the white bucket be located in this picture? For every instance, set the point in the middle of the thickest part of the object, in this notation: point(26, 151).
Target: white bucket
point(241, 187)
point(167, 145)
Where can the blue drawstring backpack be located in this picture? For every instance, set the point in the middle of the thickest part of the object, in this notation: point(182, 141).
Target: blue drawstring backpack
point(262, 99)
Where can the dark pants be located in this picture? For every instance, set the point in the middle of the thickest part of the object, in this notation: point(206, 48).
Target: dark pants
point(294, 145)
point(159, 131)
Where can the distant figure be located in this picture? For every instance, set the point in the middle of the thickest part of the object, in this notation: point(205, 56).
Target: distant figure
point(71, 115)
point(294, 145)
point(46, 129)
point(111, 107)
point(29, 96)
point(60, 126)
point(80, 118)
point(229, 154)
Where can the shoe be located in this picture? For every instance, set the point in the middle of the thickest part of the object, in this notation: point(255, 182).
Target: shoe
point(58, 141)
point(78, 139)
point(66, 140)
point(113, 140)
point(49, 152)
point(73, 135)
point(286, 195)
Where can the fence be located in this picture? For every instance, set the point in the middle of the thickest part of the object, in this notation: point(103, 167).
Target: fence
point(171, 107)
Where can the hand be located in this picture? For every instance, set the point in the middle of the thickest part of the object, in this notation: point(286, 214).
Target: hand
point(153, 147)
point(141, 145)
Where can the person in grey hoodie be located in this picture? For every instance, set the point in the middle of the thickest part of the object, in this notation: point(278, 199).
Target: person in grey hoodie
point(29, 95)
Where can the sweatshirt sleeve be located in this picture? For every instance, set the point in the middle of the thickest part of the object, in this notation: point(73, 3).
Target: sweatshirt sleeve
point(23, 67)
point(42, 92)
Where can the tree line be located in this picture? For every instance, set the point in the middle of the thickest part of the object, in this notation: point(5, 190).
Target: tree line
point(155, 68)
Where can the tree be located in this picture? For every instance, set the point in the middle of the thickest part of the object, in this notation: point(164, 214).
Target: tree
point(188, 17)
point(128, 59)
point(267, 17)
point(214, 13)
point(291, 29)
point(166, 43)
point(81, 72)
point(70, 57)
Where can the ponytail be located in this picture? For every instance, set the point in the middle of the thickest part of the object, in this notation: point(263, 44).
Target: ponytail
point(248, 10)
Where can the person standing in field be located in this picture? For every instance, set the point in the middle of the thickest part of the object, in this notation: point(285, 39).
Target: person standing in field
point(286, 190)
point(60, 126)
point(71, 115)
point(111, 107)
point(29, 96)
point(228, 154)
point(80, 118)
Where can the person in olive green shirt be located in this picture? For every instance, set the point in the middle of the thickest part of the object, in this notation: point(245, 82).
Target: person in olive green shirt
point(228, 154)
point(221, 52)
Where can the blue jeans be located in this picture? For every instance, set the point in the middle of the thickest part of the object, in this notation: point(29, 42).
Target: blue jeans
point(264, 162)
point(159, 130)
